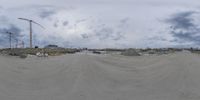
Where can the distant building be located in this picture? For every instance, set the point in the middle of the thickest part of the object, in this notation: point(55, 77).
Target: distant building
point(52, 46)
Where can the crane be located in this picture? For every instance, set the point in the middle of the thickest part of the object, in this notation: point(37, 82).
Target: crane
point(30, 22)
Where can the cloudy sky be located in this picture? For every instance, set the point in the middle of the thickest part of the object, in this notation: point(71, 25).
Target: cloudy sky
point(103, 23)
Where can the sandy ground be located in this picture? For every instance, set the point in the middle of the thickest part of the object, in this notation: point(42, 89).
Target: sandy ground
point(101, 77)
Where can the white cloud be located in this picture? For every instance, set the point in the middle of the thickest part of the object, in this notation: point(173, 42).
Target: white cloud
point(97, 23)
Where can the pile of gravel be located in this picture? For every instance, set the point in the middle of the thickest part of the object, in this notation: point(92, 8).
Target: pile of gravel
point(130, 52)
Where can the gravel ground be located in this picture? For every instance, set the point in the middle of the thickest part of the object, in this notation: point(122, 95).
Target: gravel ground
point(101, 77)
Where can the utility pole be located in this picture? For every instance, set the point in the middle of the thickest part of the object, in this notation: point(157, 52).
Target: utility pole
point(10, 39)
point(31, 38)
point(30, 22)
point(22, 44)
point(16, 45)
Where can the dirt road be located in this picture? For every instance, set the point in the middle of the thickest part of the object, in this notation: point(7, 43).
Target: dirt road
point(101, 77)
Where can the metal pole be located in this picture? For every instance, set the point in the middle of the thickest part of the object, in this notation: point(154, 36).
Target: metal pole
point(16, 43)
point(30, 33)
point(22, 44)
point(10, 39)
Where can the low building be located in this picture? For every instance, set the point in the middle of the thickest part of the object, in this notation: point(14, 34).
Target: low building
point(52, 46)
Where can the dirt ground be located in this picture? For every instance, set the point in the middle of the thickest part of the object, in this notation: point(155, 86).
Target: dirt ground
point(101, 77)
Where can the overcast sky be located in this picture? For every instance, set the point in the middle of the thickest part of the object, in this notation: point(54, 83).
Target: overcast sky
point(103, 23)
